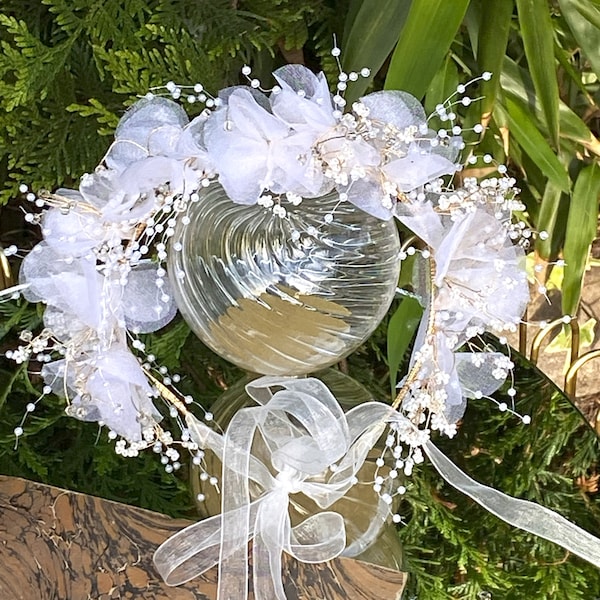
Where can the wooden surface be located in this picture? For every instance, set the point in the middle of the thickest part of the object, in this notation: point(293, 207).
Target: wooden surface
point(61, 545)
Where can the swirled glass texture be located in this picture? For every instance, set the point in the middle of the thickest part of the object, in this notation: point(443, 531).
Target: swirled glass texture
point(282, 296)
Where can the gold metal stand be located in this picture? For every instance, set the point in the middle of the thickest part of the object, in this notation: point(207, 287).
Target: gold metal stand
point(543, 334)
point(576, 362)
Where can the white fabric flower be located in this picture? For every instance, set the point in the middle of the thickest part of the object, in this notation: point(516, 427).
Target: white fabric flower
point(78, 297)
point(407, 158)
point(418, 167)
point(72, 286)
point(156, 152)
point(479, 274)
point(243, 139)
point(304, 102)
point(73, 233)
point(106, 386)
point(151, 127)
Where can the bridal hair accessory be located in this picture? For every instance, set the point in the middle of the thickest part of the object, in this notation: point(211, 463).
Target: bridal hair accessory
point(102, 272)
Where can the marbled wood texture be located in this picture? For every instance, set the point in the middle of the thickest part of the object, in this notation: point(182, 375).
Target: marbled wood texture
point(61, 545)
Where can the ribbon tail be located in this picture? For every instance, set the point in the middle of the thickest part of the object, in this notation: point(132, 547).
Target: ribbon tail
point(523, 514)
point(190, 552)
point(272, 529)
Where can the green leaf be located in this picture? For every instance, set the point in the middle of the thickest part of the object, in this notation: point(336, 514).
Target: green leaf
point(527, 135)
point(7, 381)
point(491, 49)
point(516, 83)
point(371, 37)
point(564, 57)
point(586, 32)
point(168, 344)
point(95, 108)
point(354, 7)
point(401, 329)
point(538, 40)
point(443, 85)
point(546, 220)
point(589, 10)
point(472, 21)
point(581, 231)
point(427, 35)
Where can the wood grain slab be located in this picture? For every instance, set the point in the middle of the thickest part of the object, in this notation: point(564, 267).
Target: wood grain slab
point(61, 545)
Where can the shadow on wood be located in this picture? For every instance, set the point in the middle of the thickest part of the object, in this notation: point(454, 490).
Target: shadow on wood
point(61, 545)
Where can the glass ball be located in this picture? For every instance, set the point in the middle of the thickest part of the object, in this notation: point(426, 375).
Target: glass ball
point(282, 295)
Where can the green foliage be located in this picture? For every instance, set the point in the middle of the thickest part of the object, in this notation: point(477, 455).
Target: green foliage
point(168, 345)
point(401, 329)
point(369, 38)
point(441, 20)
point(68, 68)
point(532, 141)
point(581, 231)
point(537, 33)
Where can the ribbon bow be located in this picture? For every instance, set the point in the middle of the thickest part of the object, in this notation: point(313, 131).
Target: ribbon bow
point(297, 440)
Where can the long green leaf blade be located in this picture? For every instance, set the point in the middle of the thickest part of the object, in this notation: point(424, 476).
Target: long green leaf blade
point(427, 35)
point(372, 32)
point(537, 31)
point(581, 231)
point(401, 330)
point(491, 49)
point(515, 83)
point(525, 132)
point(443, 85)
point(585, 32)
point(7, 381)
point(590, 10)
point(546, 221)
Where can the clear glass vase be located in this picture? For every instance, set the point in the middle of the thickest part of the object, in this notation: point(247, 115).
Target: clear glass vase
point(282, 296)
point(375, 538)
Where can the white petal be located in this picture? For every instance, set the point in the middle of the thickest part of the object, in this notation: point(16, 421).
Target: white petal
point(416, 169)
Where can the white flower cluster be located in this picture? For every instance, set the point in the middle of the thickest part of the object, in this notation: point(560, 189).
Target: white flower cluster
point(296, 142)
point(93, 270)
point(475, 283)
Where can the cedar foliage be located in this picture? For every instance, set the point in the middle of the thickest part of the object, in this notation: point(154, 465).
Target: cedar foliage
point(69, 68)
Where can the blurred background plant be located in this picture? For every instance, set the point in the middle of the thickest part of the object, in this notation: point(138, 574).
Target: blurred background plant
point(69, 69)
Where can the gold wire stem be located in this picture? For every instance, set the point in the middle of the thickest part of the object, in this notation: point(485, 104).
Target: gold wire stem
point(416, 368)
point(166, 393)
point(523, 334)
point(543, 333)
point(407, 242)
point(58, 201)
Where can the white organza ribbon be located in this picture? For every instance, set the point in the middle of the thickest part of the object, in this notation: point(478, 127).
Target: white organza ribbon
point(522, 514)
point(298, 440)
point(525, 515)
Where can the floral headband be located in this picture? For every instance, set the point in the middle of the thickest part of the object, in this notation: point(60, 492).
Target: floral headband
point(107, 270)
